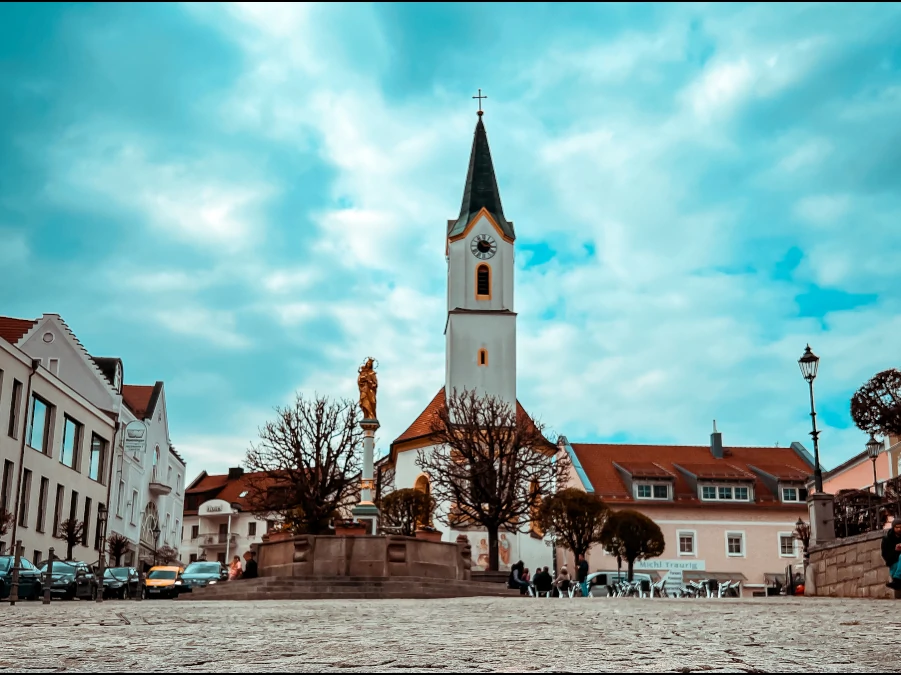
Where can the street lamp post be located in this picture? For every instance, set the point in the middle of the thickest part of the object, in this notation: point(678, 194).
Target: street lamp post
point(809, 362)
point(102, 515)
point(874, 447)
point(156, 541)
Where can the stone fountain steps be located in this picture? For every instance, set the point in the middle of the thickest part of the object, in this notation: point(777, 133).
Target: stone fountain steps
point(346, 588)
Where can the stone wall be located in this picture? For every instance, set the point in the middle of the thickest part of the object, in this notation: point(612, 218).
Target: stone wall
point(366, 556)
point(850, 567)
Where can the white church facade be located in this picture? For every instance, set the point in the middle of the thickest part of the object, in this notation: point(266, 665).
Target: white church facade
point(480, 334)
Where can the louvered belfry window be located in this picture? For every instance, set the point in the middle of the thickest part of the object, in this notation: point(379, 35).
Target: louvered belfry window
point(483, 280)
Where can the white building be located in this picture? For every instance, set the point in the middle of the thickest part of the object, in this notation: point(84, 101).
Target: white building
point(217, 520)
point(55, 448)
point(144, 490)
point(481, 340)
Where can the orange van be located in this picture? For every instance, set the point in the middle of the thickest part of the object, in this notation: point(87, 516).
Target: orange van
point(160, 582)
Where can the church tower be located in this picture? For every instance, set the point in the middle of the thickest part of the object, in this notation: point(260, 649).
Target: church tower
point(481, 323)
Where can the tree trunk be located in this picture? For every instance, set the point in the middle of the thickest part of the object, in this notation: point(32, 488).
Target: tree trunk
point(69, 546)
point(631, 568)
point(118, 559)
point(493, 562)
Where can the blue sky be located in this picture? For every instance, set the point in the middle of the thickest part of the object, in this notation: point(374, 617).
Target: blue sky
point(247, 200)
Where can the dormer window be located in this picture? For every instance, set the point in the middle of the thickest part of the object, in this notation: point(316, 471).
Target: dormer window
point(651, 491)
point(725, 493)
point(794, 494)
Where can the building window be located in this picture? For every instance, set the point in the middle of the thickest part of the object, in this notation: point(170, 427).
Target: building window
point(791, 494)
point(725, 493)
point(483, 357)
point(37, 558)
point(651, 491)
point(483, 282)
point(192, 557)
point(169, 477)
point(42, 504)
point(26, 499)
point(195, 531)
point(39, 432)
point(177, 533)
point(73, 506)
point(71, 443)
point(166, 530)
point(87, 521)
point(735, 544)
point(178, 485)
point(53, 366)
point(686, 543)
point(58, 509)
point(251, 529)
point(156, 461)
point(786, 545)
point(134, 506)
point(270, 525)
point(98, 459)
point(14, 406)
point(120, 498)
point(6, 487)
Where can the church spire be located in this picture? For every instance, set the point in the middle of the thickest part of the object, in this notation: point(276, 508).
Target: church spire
point(481, 187)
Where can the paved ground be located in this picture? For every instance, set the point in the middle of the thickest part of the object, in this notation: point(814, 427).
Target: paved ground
point(472, 634)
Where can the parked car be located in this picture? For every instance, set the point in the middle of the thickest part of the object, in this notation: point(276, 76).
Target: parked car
point(71, 579)
point(161, 582)
point(121, 582)
point(30, 587)
point(201, 573)
point(598, 581)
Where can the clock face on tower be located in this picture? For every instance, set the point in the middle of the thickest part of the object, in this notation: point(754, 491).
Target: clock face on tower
point(483, 247)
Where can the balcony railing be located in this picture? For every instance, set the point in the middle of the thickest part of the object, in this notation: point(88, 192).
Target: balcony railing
point(860, 511)
point(219, 539)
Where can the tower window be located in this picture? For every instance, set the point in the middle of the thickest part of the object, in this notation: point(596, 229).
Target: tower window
point(483, 357)
point(483, 282)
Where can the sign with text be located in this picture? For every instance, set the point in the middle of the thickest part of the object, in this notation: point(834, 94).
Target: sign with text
point(674, 569)
point(136, 438)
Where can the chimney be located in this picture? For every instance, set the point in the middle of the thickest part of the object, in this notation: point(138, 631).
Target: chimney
point(716, 443)
point(235, 472)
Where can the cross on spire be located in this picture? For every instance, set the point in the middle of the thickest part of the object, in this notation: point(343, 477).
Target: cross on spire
point(480, 97)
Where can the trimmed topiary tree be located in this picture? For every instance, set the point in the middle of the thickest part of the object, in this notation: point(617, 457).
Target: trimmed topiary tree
point(574, 518)
point(407, 509)
point(632, 536)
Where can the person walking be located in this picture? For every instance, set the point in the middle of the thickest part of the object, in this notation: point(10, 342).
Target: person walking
point(582, 575)
point(891, 553)
point(250, 566)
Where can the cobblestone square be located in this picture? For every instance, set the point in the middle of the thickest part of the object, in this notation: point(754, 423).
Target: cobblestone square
point(472, 634)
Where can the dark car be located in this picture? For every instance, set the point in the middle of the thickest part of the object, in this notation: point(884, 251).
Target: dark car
point(30, 586)
point(200, 574)
point(71, 579)
point(121, 582)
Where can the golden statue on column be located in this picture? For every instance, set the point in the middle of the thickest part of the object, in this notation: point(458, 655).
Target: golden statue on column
point(369, 384)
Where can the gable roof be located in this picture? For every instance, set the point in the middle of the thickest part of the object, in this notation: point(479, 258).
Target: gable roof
point(141, 399)
point(604, 462)
point(227, 487)
point(480, 191)
point(12, 330)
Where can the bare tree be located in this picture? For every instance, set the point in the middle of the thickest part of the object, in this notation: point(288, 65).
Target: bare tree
point(71, 531)
point(306, 467)
point(117, 545)
point(490, 463)
point(876, 406)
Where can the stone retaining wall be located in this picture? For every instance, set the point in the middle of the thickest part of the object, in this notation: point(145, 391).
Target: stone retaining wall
point(850, 567)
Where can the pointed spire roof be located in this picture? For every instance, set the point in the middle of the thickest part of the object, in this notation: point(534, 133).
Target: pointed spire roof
point(481, 187)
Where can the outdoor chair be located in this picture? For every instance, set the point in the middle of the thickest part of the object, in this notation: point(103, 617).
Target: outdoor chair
point(659, 589)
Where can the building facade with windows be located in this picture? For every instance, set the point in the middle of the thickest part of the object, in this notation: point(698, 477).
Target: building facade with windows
point(726, 513)
point(218, 522)
point(55, 453)
point(143, 490)
point(857, 472)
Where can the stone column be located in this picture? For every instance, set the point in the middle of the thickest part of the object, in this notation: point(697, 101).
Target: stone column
point(366, 511)
point(822, 518)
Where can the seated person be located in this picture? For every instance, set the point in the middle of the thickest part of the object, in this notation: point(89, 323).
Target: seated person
point(543, 581)
point(563, 580)
point(516, 580)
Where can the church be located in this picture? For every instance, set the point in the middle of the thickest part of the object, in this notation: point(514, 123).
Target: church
point(480, 334)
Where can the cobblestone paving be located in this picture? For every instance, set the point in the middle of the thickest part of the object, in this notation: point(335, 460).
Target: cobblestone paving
point(471, 634)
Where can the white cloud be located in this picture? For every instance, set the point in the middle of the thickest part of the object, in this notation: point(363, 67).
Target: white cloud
point(214, 327)
point(823, 209)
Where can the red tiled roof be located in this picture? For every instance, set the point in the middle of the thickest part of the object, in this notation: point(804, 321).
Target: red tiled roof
point(229, 489)
point(137, 398)
point(782, 472)
point(646, 470)
point(13, 330)
point(597, 460)
point(718, 471)
point(422, 425)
